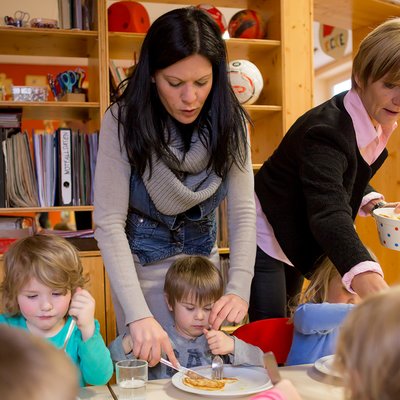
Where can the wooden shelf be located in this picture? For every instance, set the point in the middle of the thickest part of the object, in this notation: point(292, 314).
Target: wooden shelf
point(22, 210)
point(92, 253)
point(123, 45)
point(65, 110)
point(353, 14)
point(223, 250)
point(47, 42)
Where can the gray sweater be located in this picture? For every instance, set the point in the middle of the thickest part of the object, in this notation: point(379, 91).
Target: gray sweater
point(111, 207)
point(193, 353)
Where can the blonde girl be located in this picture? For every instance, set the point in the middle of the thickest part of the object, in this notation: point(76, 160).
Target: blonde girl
point(322, 308)
point(43, 293)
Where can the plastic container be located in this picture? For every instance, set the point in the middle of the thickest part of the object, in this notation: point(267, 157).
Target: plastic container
point(388, 224)
point(29, 93)
point(44, 23)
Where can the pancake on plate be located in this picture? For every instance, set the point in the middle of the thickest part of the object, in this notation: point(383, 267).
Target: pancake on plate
point(203, 383)
point(208, 384)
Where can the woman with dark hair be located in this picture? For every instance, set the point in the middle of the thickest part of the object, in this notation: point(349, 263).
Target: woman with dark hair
point(172, 147)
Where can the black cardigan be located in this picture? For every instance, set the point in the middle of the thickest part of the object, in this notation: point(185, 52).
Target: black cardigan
point(311, 188)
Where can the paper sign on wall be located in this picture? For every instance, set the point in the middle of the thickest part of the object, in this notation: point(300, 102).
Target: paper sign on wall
point(333, 40)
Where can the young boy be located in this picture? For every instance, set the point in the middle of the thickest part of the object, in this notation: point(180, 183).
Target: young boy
point(192, 285)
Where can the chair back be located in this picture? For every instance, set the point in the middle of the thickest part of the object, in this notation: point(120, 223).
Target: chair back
point(272, 334)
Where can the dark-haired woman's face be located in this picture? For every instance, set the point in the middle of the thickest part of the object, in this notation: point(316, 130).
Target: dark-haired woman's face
point(183, 87)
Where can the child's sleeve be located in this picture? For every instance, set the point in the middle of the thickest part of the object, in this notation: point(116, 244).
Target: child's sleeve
point(95, 361)
point(117, 350)
point(246, 353)
point(312, 318)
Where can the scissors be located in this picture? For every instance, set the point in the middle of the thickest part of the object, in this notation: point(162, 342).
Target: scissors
point(81, 74)
point(68, 80)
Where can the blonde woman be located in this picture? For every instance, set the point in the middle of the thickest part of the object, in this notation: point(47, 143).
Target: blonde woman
point(309, 192)
point(43, 291)
point(322, 308)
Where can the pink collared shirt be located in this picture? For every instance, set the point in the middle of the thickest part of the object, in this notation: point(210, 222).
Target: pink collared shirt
point(371, 143)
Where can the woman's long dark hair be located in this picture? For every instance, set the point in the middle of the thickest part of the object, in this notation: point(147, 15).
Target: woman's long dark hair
point(174, 36)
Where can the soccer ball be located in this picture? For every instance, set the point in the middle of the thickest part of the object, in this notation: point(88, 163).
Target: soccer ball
point(246, 80)
point(216, 15)
point(247, 24)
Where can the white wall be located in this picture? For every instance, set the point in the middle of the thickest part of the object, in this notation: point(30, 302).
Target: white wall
point(35, 8)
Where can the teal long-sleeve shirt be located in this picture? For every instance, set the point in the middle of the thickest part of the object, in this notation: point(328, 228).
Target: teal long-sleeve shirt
point(91, 356)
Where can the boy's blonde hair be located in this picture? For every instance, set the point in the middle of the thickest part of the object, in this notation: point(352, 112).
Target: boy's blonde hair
point(32, 368)
point(368, 348)
point(378, 55)
point(50, 259)
point(195, 278)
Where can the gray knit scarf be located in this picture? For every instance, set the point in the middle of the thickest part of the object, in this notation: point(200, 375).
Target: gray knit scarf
point(175, 187)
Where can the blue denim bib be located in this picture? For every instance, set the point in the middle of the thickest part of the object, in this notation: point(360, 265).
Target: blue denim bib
point(154, 236)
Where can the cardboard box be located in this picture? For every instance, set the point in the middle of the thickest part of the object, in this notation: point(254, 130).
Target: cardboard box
point(78, 97)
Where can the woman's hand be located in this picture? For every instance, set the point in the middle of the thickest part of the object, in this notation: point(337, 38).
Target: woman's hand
point(229, 307)
point(370, 206)
point(149, 340)
point(368, 282)
point(82, 308)
point(219, 342)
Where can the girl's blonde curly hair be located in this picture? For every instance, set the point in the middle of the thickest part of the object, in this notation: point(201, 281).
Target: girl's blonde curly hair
point(50, 259)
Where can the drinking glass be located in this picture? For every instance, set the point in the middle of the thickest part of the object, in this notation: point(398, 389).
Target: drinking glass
point(131, 379)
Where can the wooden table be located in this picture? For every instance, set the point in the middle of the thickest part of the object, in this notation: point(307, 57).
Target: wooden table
point(311, 384)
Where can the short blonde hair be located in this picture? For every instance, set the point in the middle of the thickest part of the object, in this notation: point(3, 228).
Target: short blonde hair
point(378, 55)
point(368, 349)
point(193, 277)
point(50, 259)
point(32, 368)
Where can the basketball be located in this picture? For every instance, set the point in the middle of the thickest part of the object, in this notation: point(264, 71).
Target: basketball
point(246, 80)
point(216, 15)
point(247, 24)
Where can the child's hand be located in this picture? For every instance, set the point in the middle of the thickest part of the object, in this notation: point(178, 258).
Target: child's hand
point(285, 387)
point(82, 308)
point(219, 342)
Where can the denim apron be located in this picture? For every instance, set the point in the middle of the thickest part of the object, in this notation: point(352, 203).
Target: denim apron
point(154, 236)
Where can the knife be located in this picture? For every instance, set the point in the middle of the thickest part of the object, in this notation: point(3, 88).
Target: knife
point(186, 371)
point(271, 366)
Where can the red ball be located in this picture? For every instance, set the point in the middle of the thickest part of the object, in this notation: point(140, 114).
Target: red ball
point(128, 16)
point(216, 15)
point(248, 24)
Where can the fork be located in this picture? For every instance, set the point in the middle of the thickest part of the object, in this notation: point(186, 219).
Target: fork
point(217, 368)
point(69, 333)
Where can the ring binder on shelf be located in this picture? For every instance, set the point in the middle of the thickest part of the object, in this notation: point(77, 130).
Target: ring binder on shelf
point(64, 145)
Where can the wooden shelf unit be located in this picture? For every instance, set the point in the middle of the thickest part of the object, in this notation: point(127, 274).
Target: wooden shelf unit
point(284, 59)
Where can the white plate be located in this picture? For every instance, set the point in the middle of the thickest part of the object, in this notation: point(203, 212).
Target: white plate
point(324, 365)
point(251, 380)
